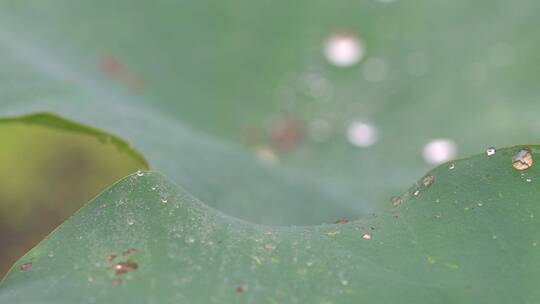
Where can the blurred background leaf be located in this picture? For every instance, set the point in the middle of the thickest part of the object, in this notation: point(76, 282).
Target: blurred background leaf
point(47, 174)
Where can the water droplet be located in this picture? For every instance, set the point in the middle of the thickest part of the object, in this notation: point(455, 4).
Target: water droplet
point(416, 193)
point(528, 179)
point(344, 282)
point(344, 49)
point(320, 130)
point(428, 180)
point(451, 166)
point(534, 244)
point(366, 236)
point(491, 151)
point(51, 254)
point(522, 160)
point(374, 70)
point(164, 200)
point(26, 266)
point(154, 187)
point(130, 221)
point(494, 237)
point(396, 201)
point(124, 267)
point(190, 240)
point(139, 173)
point(480, 204)
point(362, 134)
point(91, 279)
point(439, 151)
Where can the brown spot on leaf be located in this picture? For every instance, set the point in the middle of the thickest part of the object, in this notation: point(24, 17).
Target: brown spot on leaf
point(286, 133)
point(522, 160)
point(124, 267)
point(114, 68)
point(241, 289)
point(110, 257)
point(342, 221)
point(26, 266)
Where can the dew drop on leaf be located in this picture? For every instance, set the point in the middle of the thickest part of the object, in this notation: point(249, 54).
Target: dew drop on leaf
point(396, 201)
point(451, 166)
point(366, 236)
point(130, 221)
point(428, 180)
point(522, 160)
point(490, 151)
point(140, 173)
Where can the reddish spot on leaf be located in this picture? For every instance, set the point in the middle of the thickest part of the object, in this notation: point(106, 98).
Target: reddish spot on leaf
point(114, 68)
point(286, 133)
point(342, 221)
point(26, 266)
point(241, 289)
point(124, 267)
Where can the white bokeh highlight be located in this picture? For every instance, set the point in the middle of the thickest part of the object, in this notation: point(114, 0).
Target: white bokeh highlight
point(344, 50)
point(439, 150)
point(362, 134)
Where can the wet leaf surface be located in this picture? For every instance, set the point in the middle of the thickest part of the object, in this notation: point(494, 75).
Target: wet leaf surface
point(469, 237)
